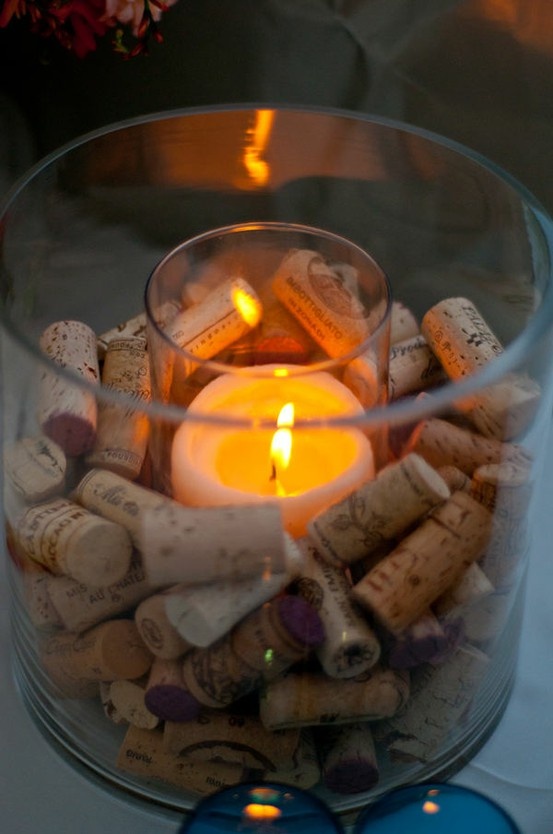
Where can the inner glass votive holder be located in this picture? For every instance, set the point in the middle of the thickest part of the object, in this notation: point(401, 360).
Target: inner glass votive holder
point(253, 329)
point(175, 644)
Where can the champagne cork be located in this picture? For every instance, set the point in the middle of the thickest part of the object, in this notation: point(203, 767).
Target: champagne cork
point(405, 583)
point(122, 431)
point(157, 631)
point(67, 414)
point(199, 544)
point(320, 300)
point(441, 443)
point(440, 699)
point(413, 368)
point(80, 606)
point(123, 702)
point(142, 754)
point(117, 499)
point(202, 614)
point(379, 510)
point(35, 469)
point(232, 737)
point(464, 343)
point(226, 314)
point(403, 323)
point(311, 699)
point(110, 651)
point(349, 763)
point(350, 646)
point(166, 695)
point(277, 635)
point(67, 539)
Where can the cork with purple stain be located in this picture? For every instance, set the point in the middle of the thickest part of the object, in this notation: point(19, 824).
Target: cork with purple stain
point(67, 412)
point(166, 694)
point(348, 755)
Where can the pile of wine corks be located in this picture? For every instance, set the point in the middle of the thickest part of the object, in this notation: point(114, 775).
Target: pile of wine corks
point(225, 648)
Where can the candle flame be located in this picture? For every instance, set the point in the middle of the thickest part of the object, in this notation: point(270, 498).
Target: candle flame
point(281, 444)
point(247, 305)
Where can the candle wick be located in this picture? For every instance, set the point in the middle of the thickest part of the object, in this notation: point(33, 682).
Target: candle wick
point(273, 472)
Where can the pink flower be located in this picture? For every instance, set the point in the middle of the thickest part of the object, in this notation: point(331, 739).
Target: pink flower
point(131, 12)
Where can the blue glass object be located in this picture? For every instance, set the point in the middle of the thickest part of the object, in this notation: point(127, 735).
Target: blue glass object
point(261, 807)
point(434, 808)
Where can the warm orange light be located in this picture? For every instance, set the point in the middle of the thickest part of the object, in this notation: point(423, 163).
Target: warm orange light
point(256, 166)
point(257, 811)
point(430, 807)
point(281, 445)
point(248, 306)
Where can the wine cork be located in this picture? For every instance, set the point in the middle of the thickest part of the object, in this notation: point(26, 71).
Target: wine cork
point(379, 510)
point(403, 323)
point(122, 430)
point(38, 603)
point(305, 771)
point(472, 585)
point(425, 640)
point(311, 699)
point(35, 469)
point(135, 327)
point(67, 413)
point(405, 583)
point(202, 614)
point(456, 480)
point(226, 314)
point(194, 545)
point(123, 702)
point(67, 539)
point(142, 754)
point(464, 343)
point(413, 367)
point(350, 646)
point(441, 443)
point(506, 490)
point(264, 644)
point(320, 300)
point(117, 499)
point(277, 635)
point(157, 631)
point(362, 378)
point(110, 651)
point(80, 606)
point(440, 699)
point(349, 763)
point(166, 695)
point(231, 737)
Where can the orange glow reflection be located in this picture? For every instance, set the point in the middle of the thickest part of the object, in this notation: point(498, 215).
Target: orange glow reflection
point(257, 811)
point(248, 306)
point(256, 166)
point(430, 807)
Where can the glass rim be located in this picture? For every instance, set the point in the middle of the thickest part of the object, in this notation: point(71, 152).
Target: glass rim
point(391, 413)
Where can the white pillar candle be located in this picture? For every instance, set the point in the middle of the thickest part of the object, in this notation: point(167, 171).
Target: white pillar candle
point(221, 465)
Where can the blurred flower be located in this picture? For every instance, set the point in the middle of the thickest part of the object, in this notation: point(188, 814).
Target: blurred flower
point(78, 24)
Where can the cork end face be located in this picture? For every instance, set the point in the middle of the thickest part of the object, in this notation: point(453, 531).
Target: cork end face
point(171, 703)
point(301, 621)
point(351, 776)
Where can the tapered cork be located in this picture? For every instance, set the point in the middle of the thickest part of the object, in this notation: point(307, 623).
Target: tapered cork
point(310, 699)
point(67, 539)
point(405, 583)
point(123, 430)
point(350, 646)
point(379, 510)
point(66, 412)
